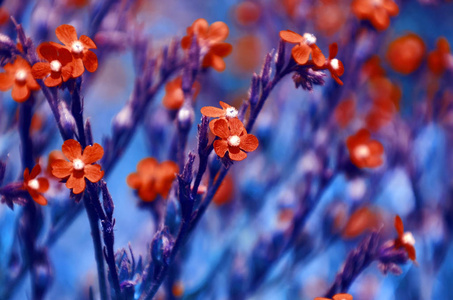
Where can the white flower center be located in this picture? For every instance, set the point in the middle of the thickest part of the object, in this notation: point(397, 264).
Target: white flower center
point(408, 238)
point(33, 184)
point(234, 141)
point(231, 112)
point(362, 151)
point(77, 47)
point(55, 66)
point(335, 64)
point(21, 75)
point(310, 39)
point(78, 164)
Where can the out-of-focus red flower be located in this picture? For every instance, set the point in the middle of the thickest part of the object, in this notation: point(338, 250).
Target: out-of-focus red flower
point(79, 166)
point(152, 178)
point(372, 68)
point(58, 67)
point(247, 13)
point(79, 48)
point(405, 54)
point(247, 50)
point(405, 239)
point(18, 77)
point(377, 12)
point(210, 39)
point(225, 191)
point(177, 289)
point(233, 139)
point(36, 186)
point(174, 95)
point(363, 151)
point(361, 220)
point(344, 112)
point(329, 16)
point(305, 45)
point(439, 59)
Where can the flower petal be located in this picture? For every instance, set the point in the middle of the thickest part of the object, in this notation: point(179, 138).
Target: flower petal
point(221, 49)
point(221, 129)
point(90, 61)
point(318, 58)
point(92, 154)
point(399, 226)
point(342, 297)
point(87, 42)
point(199, 27)
point(134, 181)
point(77, 68)
point(214, 61)
point(72, 149)
point(26, 175)
point(40, 70)
point(76, 183)
point(333, 50)
point(38, 198)
point(224, 105)
point(66, 72)
point(93, 173)
point(301, 53)
point(236, 154)
point(217, 32)
point(236, 126)
point(31, 83)
point(53, 80)
point(47, 51)
point(220, 147)
point(61, 168)
point(442, 45)
point(6, 81)
point(66, 34)
point(410, 251)
point(391, 7)
point(35, 171)
point(43, 184)
point(186, 42)
point(147, 166)
point(380, 19)
point(147, 192)
point(291, 37)
point(20, 92)
point(213, 112)
point(249, 143)
point(64, 56)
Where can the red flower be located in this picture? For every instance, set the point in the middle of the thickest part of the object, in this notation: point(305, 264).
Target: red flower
point(377, 12)
point(334, 65)
point(226, 112)
point(174, 95)
point(59, 65)
point(152, 178)
point(79, 166)
point(79, 49)
point(306, 45)
point(405, 54)
point(18, 76)
point(404, 240)
point(361, 220)
point(36, 186)
point(234, 139)
point(363, 151)
point(210, 39)
point(438, 60)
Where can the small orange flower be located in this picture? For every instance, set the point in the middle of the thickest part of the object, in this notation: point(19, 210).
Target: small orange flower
point(18, 77)
point(210, 39)
point(247, 13)
point(337, 297)
point(405, 54)
point(234, 139)
point(334, 65)
point(79, 166)
point(439, 59)
point(363, 151)
point(344, 112)
point(59, 65)
point(174, 95)
point(36, 186)
point(152, 178)
point(226, 112)
point(79, 49)
point(405, 239)
point(306, 45)
point(377, 12)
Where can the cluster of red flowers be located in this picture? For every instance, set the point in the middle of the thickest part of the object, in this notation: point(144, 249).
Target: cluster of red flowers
point(306, 46)
point(210, 39)
point(234, 138)
point(60, 63)
point(152, 178)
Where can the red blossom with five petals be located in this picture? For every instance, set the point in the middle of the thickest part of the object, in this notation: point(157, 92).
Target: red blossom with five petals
point(18, 77)
point(79, 49)
point(233, 139)
point(79, 166)
point(226, 112)
point(36, 185)
point(306, 45)
point(363, 151)
point(58, 67)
